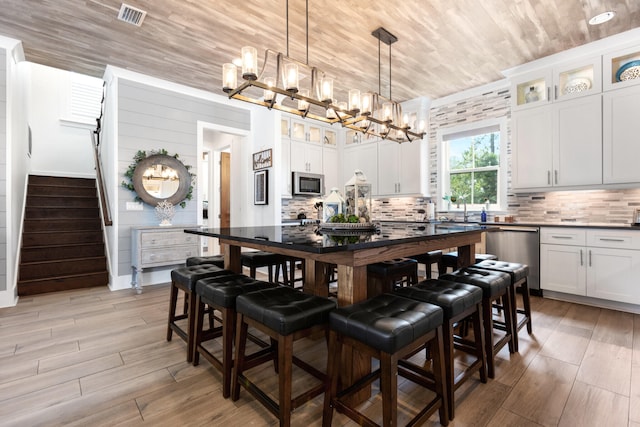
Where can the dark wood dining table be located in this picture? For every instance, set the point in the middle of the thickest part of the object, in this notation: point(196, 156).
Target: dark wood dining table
point(351, 251)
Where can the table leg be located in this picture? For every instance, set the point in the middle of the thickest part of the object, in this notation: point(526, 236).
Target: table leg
point(315, 278)
point(352, 287)
point(232, 258)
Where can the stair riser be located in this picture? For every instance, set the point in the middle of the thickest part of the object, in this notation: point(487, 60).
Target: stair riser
point(61, 202)
point(89, 224)
point(63, 284)
point(61, 181)
point(49, 190)
point(61, 268)
point(60, 238)
point(64, 252)
point(35, 213)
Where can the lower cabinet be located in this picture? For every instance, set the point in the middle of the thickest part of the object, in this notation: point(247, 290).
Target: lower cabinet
point(598, 263)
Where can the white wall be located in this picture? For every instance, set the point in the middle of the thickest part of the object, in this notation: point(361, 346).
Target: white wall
point(59, 148)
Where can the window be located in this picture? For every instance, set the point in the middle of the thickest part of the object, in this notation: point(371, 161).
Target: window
point(470, 165)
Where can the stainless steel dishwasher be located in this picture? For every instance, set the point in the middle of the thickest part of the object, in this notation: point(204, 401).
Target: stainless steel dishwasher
point(521, 244)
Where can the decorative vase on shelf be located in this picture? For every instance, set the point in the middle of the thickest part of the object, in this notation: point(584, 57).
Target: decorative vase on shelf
point(532, 95)
point(165, 212)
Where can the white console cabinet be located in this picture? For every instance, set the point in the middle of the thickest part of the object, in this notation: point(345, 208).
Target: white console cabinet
point(597, 263)
point(159, 247)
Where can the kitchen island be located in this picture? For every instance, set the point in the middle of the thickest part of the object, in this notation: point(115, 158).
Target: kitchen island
point(351, 252)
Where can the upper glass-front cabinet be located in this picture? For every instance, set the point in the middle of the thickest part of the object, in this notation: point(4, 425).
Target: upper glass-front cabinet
point(621, 68)
point(571, 80)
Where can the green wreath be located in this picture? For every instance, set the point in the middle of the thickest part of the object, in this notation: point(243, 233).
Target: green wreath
point(141, 155)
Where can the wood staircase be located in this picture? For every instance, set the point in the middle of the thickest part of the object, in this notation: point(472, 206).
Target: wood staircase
point(62, 239)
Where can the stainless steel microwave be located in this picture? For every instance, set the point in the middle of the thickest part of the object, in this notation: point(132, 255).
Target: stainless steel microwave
point(308, 184)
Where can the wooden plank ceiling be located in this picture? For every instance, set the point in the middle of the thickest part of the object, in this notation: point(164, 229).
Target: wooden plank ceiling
point(444, 46)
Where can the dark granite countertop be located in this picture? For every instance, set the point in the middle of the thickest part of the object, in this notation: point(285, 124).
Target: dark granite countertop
point(610, 225)
point(311, 238)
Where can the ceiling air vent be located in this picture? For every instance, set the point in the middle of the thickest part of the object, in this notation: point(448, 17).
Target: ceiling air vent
point(131, 15)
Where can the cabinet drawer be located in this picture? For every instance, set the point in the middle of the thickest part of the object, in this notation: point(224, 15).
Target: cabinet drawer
point(168, 238)
point(563, 236)
point(616, 239)
point(167, 256)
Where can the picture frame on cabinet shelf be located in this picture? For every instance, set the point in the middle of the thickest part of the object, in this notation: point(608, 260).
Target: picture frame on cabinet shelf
point(262, 159)
point(261, 188)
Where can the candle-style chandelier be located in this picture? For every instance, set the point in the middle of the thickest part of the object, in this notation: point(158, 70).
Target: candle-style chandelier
point(286, 84)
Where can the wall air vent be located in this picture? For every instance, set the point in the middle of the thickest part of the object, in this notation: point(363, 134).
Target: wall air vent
point(131, 15)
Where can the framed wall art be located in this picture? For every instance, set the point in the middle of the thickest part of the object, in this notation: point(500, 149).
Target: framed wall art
point(262, 159)
point(261, 188)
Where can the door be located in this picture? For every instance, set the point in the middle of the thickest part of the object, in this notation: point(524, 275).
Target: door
point(613, 274)
point(225, 190)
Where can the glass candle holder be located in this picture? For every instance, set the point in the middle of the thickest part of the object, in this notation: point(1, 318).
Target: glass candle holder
point(249, 63)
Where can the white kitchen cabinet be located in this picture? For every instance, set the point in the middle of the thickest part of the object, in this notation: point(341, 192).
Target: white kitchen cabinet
point(400, 168)
point(598, 263)
point(285, 168)
point(552, 84)
point(362, 156)
point(621, 129)
point(306, 157)
point(558, 145)
point(330, 168)
point(619, 67)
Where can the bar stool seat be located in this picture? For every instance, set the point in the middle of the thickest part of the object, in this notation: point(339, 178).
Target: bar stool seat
point(495, 286)
point(285, 315)
point(519, 274)
point(450, 259)
point(258, 259)
point(185, 279)
point(388, 327)
point(428, 259)
point(384, 276)
point(217, 260)
point(220, 293)
point(459, 301)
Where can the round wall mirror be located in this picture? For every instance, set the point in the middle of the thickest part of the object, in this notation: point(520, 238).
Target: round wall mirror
point(160, 177)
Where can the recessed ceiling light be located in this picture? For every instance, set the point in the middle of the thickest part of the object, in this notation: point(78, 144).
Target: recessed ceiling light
point(602, 18)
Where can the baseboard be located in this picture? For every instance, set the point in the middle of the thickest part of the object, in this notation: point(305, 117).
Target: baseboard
point(595, 302)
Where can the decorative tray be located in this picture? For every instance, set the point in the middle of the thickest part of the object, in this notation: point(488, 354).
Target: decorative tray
point(347, 226)
point(629, 71)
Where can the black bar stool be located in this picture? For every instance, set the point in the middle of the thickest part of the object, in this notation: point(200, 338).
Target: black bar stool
point(184, 279)
point(220, 293)
point(428, 259)
point(388, 327)
point(458, 301)
point(495, 287)
point(384, 276)
point(285, 315)
point(258, 259)
point(519, 274)
point(450, 260)
point(217, 260)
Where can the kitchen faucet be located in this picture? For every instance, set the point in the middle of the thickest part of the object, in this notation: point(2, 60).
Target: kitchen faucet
point(466, 216)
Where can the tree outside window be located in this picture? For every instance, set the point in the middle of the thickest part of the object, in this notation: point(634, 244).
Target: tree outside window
point(471, 166)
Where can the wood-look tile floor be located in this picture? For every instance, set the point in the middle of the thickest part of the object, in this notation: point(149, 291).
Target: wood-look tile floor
point(94, 357)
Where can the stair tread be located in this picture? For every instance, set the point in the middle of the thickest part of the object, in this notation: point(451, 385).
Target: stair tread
point(53, 261)
point(67, 276)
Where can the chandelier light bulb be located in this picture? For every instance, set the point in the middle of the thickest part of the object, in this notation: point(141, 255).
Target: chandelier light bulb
point(291, 77)
point(326, 93)
point(302, 104)
point(366, 101)
point(229, 77)
point(249, 63)
point(387, 110)
point(269, 94)
point(354, 100)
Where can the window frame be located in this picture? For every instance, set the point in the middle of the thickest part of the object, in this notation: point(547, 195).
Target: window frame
point(445, 134)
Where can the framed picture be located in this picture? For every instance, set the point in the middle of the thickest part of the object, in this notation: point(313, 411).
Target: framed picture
point(636, 217)
point(261, 188)
point(262, 159)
